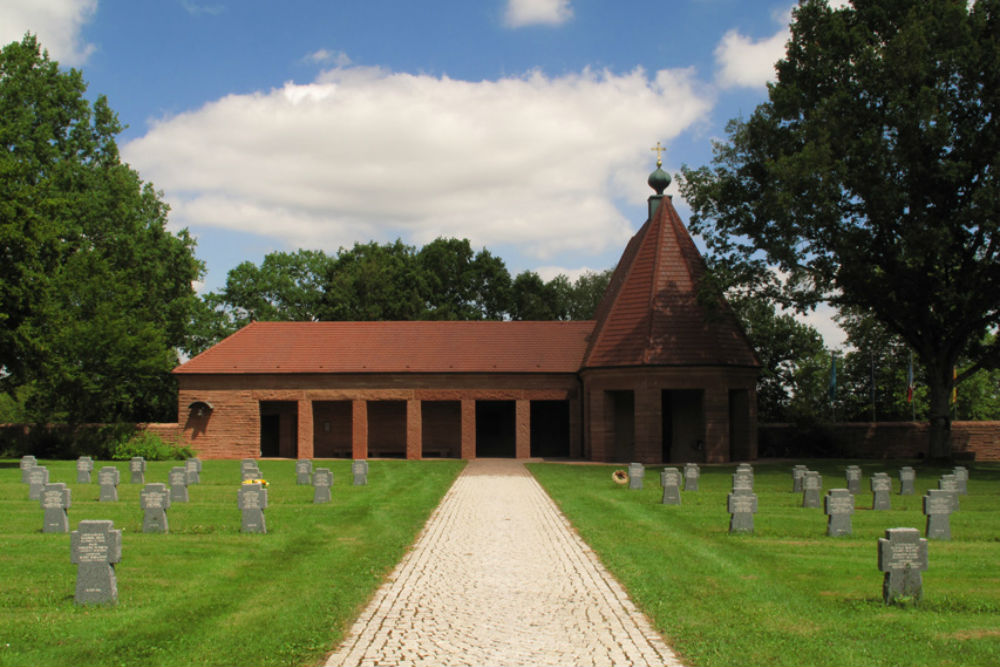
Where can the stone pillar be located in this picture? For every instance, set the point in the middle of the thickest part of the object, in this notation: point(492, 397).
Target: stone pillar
point(648, 425)
point(575, 430)
point(601, 423)
point(305, 443)
point(522, 429)
point(359, 429)
point(468, 429)
point(414, 430)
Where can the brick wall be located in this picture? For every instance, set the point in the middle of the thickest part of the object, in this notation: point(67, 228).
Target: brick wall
point(978, 440)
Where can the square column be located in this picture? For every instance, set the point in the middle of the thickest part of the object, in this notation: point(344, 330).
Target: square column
point(305, 430)
point(414, 430)
point(522, 429)
point(649, 425)
point(575, 435)
point(468, 429)
point(359, 429)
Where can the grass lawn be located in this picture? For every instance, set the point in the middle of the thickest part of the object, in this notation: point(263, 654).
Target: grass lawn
point(205, 594)
point(789, 595)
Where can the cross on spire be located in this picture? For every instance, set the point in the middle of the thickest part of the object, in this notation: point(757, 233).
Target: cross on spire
point(659, 149)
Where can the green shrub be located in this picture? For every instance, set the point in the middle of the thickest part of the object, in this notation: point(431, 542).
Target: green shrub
point(151, 447)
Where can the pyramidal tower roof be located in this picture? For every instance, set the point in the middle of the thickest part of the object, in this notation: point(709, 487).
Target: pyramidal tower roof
point(650, 314)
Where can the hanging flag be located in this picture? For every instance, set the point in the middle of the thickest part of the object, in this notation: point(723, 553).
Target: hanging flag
point(909, 380)
point(833, 376)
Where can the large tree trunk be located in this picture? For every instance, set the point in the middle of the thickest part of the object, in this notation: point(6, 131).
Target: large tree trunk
point(939, 433)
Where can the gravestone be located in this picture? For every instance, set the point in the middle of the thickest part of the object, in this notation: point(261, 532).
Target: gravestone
point(742, 481)
point(38, 477)
point(360, 471)
point(155, 501)
point(902, 555)
point(937, 509)
point(109, 477)
point(27, 463)
point(252, 502)
point(839, 506)
point(322, 480)
point(798, 472)
point(962, 478)
point(137, 466)
point(949, 483)
point(812, 486)
point(692, 473)
point(853, 475)
point(178, 484)
point(249, 469)
point(95, 547)
point(192, 467)
point(84, 466)
point(303, 469)
point(56, 499)
point(745, 467)
point(907, 475)
point(636, 471)
point(881, 485)
point(670, 480)
point(741, 505)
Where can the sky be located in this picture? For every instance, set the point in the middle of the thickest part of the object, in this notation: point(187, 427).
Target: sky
point(525, 126)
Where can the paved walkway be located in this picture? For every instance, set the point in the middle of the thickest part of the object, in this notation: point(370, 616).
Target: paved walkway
point(498, 577)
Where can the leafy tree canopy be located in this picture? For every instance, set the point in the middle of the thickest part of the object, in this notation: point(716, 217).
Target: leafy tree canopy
point(869, 178)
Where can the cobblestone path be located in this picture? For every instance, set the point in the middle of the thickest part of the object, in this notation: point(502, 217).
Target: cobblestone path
point(498, 577)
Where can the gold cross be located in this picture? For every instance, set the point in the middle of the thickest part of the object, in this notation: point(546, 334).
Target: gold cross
point(659, 149)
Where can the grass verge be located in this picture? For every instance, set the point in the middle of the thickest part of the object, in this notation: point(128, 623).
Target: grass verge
point(789, 595)
point(205, 594)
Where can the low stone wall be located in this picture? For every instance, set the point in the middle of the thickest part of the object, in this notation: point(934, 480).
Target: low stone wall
point(979, 441)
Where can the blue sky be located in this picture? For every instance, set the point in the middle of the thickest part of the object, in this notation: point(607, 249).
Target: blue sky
point(523, 125)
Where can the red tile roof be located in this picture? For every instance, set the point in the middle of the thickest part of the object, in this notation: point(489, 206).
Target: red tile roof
point(650, 314)
point(397, 347)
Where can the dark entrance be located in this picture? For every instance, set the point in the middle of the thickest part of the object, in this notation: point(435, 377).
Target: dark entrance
point(622, 406)
point(495, 429)
point(739, 425)
point(279, 423)
point(550, 428)
point(683, 425)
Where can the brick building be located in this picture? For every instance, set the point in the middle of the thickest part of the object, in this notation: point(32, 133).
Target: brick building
point(655, 377)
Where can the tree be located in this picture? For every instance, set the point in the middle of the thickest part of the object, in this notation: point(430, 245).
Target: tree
point(586, 294)
point(869, 178)
point(95, 293)
point(461, 285)
point(374, 282)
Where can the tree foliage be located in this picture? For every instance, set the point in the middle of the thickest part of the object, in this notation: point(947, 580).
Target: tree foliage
point(869, 178)
point(95, 292)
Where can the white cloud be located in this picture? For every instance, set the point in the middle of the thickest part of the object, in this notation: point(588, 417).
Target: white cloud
point(522, 13)
point(327, 57)
point(364, 153)
point(743, 62)
point(195, 9)
point(57, 23)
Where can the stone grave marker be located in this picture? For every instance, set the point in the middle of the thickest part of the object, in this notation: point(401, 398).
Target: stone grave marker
point(670, 480)
point(902, 555)
point(812, 486)
point(252, 502)
point(303, 470)
point(56, 499)
point(692, 473)
point(360, 471)
point(155, 501)
point(95, 547)
point(84, 466)
point(27, 463)
point(38, 477)
point(949, 483)
point(745, 467)
point(741, 505)
point(249, 469)
point(137, 466)
point(109, 477)
point(962, 478)
point(636, 472)
point(937, 508)
point(322, 480)
point(192, 467)
point(178, 484)
point(853, 475)
point(742, 481)
point(881, 485)
point(907, 476)
point(798, 472)
point(839, 506)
